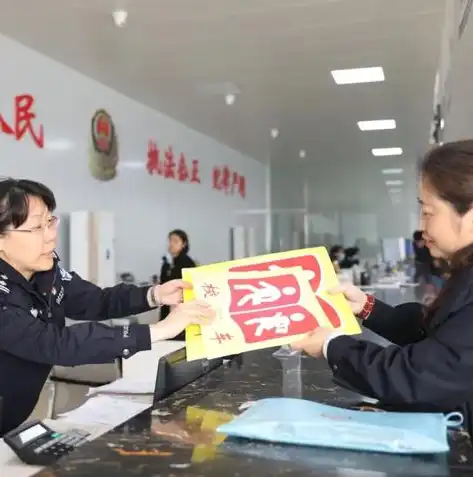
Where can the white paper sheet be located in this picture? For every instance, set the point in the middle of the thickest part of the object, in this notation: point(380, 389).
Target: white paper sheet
point(105, 410)
point(125, 386)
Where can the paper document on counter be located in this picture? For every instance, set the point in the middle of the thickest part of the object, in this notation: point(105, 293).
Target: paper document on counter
point(105, 410)
point(126, 386)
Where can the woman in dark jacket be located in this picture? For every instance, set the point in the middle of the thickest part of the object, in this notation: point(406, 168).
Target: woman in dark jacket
point(430, 365)
point(178, 248)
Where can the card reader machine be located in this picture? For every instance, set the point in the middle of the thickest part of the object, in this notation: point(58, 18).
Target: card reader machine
point(37, 444)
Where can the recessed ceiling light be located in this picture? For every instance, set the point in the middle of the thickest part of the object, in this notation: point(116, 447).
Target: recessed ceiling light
point(393, 171)
point(274, 133)
point(120, 17)
point(394, 183)
point(378, 125)
point(358, 75)
point(387, 151)
point(302, 154)
point(230, 99)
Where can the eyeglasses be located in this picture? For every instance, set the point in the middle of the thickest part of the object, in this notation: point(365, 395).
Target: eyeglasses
point(52, 223)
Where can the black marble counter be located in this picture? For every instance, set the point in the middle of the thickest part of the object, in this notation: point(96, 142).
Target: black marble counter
point(178, 438)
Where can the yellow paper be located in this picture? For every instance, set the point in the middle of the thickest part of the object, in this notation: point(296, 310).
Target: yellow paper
point(315, 274)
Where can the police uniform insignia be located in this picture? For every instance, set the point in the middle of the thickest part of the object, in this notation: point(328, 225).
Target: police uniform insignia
point(3, 284)
point(65, 276)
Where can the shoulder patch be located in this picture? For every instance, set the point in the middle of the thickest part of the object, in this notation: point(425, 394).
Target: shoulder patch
point(65, 276)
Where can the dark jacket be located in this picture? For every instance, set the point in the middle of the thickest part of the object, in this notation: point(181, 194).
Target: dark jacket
point(33, 335)
point(431, 367)
point(174, 272)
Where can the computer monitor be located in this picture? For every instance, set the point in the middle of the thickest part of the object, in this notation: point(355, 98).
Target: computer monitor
point(175, 372)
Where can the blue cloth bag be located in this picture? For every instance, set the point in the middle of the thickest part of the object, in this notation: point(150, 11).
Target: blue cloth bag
point(295, 421)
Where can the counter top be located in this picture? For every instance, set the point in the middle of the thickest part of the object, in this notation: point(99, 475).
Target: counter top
point(178, 438)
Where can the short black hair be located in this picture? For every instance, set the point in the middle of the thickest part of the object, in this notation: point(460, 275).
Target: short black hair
point(15, 195)
point(183, 236)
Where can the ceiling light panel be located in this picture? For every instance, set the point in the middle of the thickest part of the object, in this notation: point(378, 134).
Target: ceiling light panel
point(358, 75)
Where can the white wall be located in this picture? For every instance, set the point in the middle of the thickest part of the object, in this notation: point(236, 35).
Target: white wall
point(146, 207)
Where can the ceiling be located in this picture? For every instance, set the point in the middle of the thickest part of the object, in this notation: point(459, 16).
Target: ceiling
point(180, 57)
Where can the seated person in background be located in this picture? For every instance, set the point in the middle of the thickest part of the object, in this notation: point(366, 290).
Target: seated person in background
point(423, 259)
point(430, 365)
point(351, 257)
point(36, 294)
point(337, 254)
point(178, 248)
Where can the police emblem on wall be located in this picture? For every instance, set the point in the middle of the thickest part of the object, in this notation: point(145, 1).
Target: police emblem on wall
point(103, 150)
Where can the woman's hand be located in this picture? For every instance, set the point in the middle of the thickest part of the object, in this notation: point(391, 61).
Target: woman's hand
point(356, 298)
point(185, 314)
point(313, 343)
point(170, 293)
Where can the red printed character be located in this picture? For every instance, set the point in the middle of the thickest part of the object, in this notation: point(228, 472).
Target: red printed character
point(235, 181)
point(312, 269)
point(216, 178)
point(242, 186)
point(225, 179)
point(23, 121)
point(261, 293)
point(195, 174)
point(274, 323)
point(169, 165)
point(153, 165)
point(182, 171)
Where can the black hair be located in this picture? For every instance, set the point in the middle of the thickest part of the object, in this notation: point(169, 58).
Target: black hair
point(15, 195)
point(334, 252)
point(184, 237)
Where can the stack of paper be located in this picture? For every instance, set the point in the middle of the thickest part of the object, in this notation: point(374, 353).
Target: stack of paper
point(109, 411)
point(266, 301)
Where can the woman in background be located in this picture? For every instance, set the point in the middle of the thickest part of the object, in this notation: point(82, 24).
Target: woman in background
point(337, 254)
point(178, 248)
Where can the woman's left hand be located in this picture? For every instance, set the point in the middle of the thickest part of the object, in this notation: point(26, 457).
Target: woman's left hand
point(313, 343)
point(170, 293)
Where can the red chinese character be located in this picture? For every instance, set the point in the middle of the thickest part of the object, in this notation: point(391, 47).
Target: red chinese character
point(24, 117)
point(195, 174)
point(242, 186)
point(154, 165)
point(221, 337)
point(235, 181)
point(182, 172)
point(169, 166)
point(216, 179)
point(264, 325)
point(210, 290)
point(310, 265)
point(225, 179)
point(250, 294)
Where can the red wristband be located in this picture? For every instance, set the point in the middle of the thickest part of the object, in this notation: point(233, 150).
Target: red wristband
point(367, 309)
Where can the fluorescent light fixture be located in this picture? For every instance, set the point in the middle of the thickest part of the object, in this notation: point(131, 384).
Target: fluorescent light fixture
point(387, 151)
point(394, 183)
point(59, 145)
point(393, 171)
point(358, 75)
point(377, 125)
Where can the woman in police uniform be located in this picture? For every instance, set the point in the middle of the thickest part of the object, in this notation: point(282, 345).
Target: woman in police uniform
point(36, 294)
point(432, 366)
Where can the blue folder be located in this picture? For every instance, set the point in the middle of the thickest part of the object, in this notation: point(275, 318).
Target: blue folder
point(300, 422)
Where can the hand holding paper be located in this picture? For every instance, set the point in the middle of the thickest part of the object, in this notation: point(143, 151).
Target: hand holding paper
point(265, 301)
